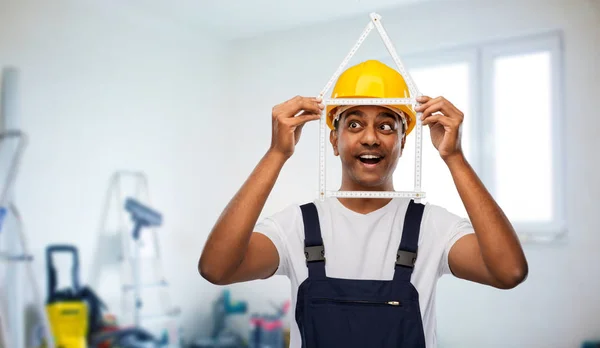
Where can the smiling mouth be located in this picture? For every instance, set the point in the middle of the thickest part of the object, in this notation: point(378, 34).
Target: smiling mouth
point(370, 159)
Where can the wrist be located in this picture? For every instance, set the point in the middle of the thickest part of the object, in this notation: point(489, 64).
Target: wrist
point(276, 156)
point(455, 159)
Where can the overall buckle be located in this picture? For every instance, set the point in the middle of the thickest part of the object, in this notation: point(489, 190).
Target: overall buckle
point(314, 253)
point(406, 258)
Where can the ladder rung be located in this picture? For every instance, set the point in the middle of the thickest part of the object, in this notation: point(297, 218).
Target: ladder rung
point(168, 315)
point(4, 256)
point(146, 286)
point(132, 259)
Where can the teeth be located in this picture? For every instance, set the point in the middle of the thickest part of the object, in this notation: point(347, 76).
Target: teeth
point(369, 156)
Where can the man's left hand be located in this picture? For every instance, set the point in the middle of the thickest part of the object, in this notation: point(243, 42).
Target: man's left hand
point(444, 121)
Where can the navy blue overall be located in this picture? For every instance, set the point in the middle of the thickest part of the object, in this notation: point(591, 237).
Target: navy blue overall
point(347, 313)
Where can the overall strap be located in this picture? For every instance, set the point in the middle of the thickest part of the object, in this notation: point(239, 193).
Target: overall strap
point(314, 251)
point(407, 252)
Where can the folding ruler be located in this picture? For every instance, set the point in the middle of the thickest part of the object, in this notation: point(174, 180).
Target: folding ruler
point(416, 194)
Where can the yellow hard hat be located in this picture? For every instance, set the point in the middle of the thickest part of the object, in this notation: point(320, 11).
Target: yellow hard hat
point(372, 79)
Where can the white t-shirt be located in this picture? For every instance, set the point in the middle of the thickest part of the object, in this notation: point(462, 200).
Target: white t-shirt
point(364, 246)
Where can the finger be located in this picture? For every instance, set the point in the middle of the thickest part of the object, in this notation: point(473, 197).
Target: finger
point(431, 109)
point(445, 108)
point(297, 104)
point(433, 120)
point(450, 109)
point(294, 106)
point(455, 111)
point(423, 99)
point(303, 119)
point(427, 102)
point(303, 112)
point(443, 105)
point(306, 113)
point(441, 119)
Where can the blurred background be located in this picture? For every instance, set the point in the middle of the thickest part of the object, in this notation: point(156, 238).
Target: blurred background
point(169, 103)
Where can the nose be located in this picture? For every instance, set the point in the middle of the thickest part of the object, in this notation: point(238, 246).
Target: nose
point(369, 137)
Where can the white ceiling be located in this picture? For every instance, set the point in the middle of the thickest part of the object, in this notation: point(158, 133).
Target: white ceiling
point(232, 19)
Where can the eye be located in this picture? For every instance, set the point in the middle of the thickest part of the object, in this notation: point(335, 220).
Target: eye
point(386, 127)
point(353, 125)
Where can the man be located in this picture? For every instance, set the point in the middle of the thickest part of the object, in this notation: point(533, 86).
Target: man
point(364, 271)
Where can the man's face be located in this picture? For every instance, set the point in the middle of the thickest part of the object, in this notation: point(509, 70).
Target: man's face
point(369, 140)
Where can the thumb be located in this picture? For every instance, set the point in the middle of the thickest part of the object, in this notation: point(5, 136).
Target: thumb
point(298, 132)
point(303, 118)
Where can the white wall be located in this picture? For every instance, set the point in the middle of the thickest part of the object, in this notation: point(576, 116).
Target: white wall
point(103, 89)
point(559, 305)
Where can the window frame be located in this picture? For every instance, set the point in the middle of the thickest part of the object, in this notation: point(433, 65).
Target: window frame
point(480, 59)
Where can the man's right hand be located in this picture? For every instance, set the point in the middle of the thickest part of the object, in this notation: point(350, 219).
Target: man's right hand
point(233, 253)
point(287, 127)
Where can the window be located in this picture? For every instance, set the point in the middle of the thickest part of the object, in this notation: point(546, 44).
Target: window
point(510, 93)
point(515, 76)
point(450, 80)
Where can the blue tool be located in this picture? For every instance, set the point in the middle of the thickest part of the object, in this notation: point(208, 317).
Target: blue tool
point(142, 217)
point(223, 308)
point(221, 337)
point(2, 216)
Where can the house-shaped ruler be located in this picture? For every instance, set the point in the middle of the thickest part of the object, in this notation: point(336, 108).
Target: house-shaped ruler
point(416, 194)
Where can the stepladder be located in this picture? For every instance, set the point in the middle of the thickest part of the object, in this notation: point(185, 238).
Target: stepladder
point(17, 277)
point(133, 260)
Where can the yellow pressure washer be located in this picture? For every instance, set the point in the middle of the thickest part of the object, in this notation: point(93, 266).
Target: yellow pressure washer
point(67, 310)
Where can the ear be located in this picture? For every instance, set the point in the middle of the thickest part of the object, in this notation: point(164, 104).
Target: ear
point(402, 145)
point(333, 138)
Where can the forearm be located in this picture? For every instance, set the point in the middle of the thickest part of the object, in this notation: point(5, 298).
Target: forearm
point(500, 247)
point(227, 242)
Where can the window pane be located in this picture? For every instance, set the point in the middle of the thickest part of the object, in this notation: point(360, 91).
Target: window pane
point(522, 129)
point(452, 82)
